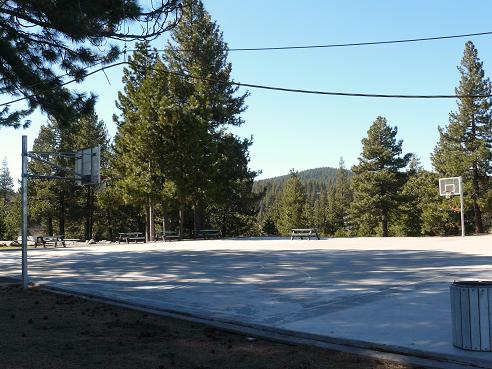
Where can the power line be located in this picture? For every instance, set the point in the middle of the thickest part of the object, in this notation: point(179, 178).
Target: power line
point(299, 47)
point(273, 88)
point(326, 46)
point(330, 93)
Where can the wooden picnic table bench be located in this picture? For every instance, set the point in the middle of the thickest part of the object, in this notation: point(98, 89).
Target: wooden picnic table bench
point(304, 232)
point(207, 233)
point(169, 235)
point(49, 240)
point(131, 236)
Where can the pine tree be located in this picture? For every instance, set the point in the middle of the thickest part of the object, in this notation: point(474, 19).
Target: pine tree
point(41, 38)
point(133, 164)
point(408, 220)
point(331, 207)
point(268, 227)
point(195, 114)
point(378, 179)
point(90, 132)
point(171, 143)
point(292, 205)
point(233, 203)
point(342, 198)
point(464, 147)
point(6, 182)
point(44, 195)
point(320, 214)
point(62, 203)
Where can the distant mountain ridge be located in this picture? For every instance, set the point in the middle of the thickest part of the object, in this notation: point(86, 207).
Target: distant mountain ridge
point(316, 182)
point(317, 174)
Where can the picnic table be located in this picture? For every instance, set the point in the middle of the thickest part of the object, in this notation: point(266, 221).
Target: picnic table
point(131, 236)
point(207, 233)
point(304, 232)
point(72, 241)
point(50, 240)
point(170, 235)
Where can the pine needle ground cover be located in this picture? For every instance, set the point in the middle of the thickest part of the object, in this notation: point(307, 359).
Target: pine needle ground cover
point(40, 329)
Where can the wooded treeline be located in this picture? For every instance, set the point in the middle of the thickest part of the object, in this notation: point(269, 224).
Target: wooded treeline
point(175, 165)
point(390, 194)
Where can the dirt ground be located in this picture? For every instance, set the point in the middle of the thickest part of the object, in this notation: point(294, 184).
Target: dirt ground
point(39, 329)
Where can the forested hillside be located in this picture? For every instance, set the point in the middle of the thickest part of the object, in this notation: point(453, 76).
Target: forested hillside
point(316, 182)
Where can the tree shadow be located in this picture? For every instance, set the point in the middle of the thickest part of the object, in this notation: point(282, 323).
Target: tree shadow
point(265, 285)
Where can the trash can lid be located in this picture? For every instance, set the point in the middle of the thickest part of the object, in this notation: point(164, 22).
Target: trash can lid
point(472, 283)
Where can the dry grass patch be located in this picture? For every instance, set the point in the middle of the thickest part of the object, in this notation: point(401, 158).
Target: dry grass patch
point(45, 330)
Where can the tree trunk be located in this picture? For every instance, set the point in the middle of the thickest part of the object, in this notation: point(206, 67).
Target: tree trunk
point(197, 218)
point(147, 223)
point(110, 222)
point(181, 219)
point(50, 226)
point(477, 213)
point(61, 216)
point(476, 186)
point(164, 220)
point(151, 222)
point(385, 224)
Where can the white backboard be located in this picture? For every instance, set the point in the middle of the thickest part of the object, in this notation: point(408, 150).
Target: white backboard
point(450, 186)
point(88, 166)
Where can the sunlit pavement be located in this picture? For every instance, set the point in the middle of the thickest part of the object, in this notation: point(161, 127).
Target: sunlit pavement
point(390, 292)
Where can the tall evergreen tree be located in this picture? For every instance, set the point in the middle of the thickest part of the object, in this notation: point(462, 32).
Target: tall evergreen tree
point(90, 131)
point(424, 212)
point(292, 205)
point(378, 179)
point(464, 147)
point(342, 197)
point(198, 109)
point(408, 221)
point(60, 204)
point(134, 163)
point(319, 212)
point(6, 182)
point(172, 142)
point(233, 201)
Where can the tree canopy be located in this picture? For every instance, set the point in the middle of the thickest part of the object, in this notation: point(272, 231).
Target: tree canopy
point(172, 147)
point(464, 147)
point(378, 179)
point(6, 182)
point(41, 40)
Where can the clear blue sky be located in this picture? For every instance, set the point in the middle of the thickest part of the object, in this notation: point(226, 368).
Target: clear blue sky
point(307, 131)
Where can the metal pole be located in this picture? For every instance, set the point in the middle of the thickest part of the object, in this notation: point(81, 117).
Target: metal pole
point(462, 208)
point(25, 277)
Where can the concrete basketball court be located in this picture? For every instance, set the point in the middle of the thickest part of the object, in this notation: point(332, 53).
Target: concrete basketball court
point(372, 292)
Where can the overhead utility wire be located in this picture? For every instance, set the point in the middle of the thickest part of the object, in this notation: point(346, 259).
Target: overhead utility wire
point(314, 92)
point(360, 43)
point(307, 47)
point(326, 46)
point(274, 88)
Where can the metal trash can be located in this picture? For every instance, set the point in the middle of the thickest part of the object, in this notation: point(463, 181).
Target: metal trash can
point(471, 314)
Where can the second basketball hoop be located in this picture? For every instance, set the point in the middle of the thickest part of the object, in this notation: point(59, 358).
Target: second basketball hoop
point(452, 186)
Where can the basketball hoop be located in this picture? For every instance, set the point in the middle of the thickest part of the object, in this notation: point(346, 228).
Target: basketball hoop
point(448, 194)
point(453, 186)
